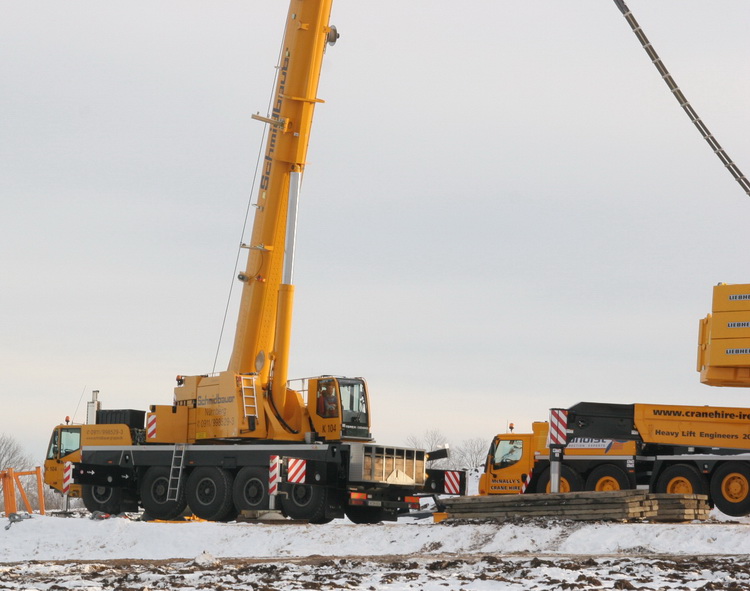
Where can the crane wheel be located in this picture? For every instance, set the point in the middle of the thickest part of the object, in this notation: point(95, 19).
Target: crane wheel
point(154, 495)
point(607, 478)
point(209, 493)
point(307, 502)
point(730, 489)
point(570, 480)
point(682, 479)
point(250, 489)
point(102, 498)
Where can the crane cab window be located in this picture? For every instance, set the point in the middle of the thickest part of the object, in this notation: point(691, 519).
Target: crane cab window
point(64, 442)
point(327, 399)
point(355, 421)
point(354, 401)
point(507, 452)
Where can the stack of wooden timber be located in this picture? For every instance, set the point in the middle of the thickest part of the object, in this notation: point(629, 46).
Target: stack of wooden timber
point(680, 507)
point(621, 505)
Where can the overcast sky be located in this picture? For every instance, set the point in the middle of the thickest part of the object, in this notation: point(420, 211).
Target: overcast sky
point(504, 209)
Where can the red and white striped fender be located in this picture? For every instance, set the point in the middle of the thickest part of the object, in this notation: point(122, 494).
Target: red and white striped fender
point(67, 477)
point(273, 475)
point(296, 471)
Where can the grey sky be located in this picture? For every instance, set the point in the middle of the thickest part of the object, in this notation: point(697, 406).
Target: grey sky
point(504, 209)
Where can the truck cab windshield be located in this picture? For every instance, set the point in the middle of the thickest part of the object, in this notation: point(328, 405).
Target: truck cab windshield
point(507, 452)
point(64, 442)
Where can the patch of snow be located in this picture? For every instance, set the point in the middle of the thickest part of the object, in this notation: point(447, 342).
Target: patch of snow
point(57, 538)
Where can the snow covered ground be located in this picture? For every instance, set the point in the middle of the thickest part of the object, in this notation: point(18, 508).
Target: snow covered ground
point(119, 553)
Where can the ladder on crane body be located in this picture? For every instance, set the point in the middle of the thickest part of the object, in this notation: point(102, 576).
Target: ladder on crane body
point(677, 93)
point(175, 472)
point(249, 400)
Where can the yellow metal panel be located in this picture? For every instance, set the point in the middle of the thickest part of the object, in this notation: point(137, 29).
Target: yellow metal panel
point(219, 412)
point(704, 426)
point(728, 353)
point(730, 325)
point(171, 424)
point(726, 376)
point(483, 486)
point(731, 298)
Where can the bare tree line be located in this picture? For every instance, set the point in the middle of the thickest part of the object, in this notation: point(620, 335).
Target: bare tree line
point(466, 455)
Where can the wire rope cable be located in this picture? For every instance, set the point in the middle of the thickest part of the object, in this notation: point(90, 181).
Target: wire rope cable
point(247, 211)
point(678, 94)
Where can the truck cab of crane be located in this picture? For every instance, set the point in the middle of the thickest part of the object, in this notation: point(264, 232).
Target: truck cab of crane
point(339, 408)
point(64, 446)
point(509, 464)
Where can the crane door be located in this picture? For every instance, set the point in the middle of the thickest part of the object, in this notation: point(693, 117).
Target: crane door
point(509, 465)
point(339, 408)
point(64, 446)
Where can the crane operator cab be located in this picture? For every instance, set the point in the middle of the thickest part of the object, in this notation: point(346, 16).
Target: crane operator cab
point(339, 408)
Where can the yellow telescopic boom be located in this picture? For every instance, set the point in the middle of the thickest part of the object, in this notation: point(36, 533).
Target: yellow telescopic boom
point(264, 324)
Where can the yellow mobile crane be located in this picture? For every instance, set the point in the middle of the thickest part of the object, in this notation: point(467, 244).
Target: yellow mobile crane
point(667, 448)
point(216, 446)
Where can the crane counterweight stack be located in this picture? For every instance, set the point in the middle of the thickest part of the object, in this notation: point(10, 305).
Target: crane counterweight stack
point(724, 338)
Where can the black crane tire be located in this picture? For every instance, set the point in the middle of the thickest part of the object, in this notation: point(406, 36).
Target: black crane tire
point(250, 489)
point(154, 491)
point(105, 499)
point(209, 493)
point(307, 502)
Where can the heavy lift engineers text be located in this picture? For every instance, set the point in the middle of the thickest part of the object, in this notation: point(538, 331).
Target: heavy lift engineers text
point(702, 435)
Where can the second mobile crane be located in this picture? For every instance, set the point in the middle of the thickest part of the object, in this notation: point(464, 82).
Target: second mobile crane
point(212, 447)
point(665, 448)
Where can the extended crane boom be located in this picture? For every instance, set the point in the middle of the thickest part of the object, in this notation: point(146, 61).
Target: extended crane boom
point(264, 323)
